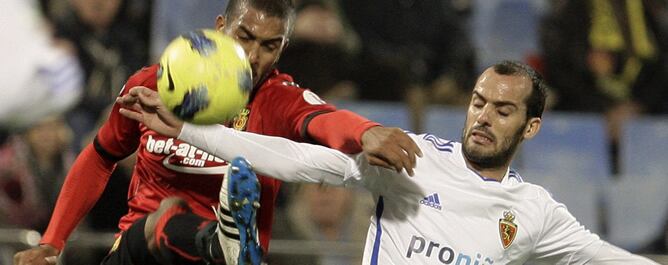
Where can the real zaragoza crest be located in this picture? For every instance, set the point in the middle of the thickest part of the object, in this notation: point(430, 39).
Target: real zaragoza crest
point(240, 120)
point(507, 229)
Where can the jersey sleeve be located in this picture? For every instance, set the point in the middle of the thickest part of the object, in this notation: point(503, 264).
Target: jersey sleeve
point(293, 107)
point(563, 240)
point(275, 156)
point(306, 115)
point(340, 129)
point(90, 172)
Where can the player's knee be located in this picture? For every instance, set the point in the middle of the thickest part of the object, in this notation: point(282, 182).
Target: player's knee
point(154, 230)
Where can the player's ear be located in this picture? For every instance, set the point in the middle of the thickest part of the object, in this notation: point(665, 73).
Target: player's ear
point(532, 127)
point(220, 23)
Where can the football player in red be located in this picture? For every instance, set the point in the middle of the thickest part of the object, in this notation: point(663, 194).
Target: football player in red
point(167, 167)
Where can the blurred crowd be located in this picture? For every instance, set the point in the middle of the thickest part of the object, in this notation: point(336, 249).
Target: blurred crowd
point(602, 56)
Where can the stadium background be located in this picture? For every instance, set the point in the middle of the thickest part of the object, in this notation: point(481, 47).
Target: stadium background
point(405, 63)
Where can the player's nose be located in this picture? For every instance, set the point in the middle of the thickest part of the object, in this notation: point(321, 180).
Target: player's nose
point(483, 116)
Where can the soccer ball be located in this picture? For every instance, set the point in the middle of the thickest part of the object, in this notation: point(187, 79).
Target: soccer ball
point(204, 77)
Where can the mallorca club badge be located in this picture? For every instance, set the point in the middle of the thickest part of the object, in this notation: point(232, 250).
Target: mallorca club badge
point(240, 120)
point(507, 229)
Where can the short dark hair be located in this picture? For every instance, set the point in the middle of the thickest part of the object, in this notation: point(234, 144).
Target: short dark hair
point(536, 100)
point(283, 9)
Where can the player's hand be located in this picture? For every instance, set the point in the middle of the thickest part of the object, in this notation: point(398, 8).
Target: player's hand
point(390, 148)
point(143, 105)
point(42, 255)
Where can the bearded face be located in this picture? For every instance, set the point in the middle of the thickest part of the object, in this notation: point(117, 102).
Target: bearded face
point(498, 154)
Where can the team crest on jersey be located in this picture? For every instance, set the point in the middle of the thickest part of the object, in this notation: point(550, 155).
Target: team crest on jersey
point(239, 122)
point(507, 229)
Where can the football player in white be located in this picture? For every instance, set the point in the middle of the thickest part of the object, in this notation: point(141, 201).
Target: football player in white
point(464, 204)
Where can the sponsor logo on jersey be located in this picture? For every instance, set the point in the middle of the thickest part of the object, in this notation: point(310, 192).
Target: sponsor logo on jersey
point(507, 229)
point(239, 122)
point(443, 253)
point(432, 201)
point(186, 158)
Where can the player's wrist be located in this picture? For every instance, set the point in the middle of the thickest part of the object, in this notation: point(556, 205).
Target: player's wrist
point(365, 131)
point(57, 245)
point(50, 249)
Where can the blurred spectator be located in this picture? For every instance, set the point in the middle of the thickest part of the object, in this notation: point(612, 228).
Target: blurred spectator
point(505, 30)
point(32, 168)
point(111, 39)
point(409, 43)
point(323, 213)
point(39, 74)
point(321, 50)
point(172, 18)
point(608, 56)
point(413, 51)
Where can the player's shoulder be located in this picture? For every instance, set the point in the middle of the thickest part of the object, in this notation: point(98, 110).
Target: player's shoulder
point(280, 82)
point(434, 143)
point(146, 76)
point(282, 87)
point(530, 191)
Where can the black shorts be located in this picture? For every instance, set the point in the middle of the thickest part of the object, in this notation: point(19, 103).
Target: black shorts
point(132, 243)
point(120, 254)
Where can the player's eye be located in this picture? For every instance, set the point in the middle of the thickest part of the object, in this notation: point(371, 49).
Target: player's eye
point(243, 37)
point(270, 47)
point(505, 112)
point(477, 103)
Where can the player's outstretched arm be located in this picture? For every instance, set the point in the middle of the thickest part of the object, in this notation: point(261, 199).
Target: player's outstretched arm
point(275, 156)
point(565, 241)
point(272, 156)
point(386, 147)
point(349, 132)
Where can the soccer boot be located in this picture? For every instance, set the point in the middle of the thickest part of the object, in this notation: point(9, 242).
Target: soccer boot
point(237, 212)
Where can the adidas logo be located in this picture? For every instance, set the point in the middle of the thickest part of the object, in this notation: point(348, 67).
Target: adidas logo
point(432, 201)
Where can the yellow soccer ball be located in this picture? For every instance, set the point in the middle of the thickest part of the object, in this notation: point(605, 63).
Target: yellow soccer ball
point(204, 77)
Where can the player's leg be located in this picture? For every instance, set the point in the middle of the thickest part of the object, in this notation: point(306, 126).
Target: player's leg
point(170, 235)
point(174, 235)
point(131, 248)
point(234, 238)
point(237, 229)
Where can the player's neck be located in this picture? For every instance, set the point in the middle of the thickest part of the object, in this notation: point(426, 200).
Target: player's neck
point(495, 173)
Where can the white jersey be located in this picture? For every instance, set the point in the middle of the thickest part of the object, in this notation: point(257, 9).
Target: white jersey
point(38, 78)
point(445, 214)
